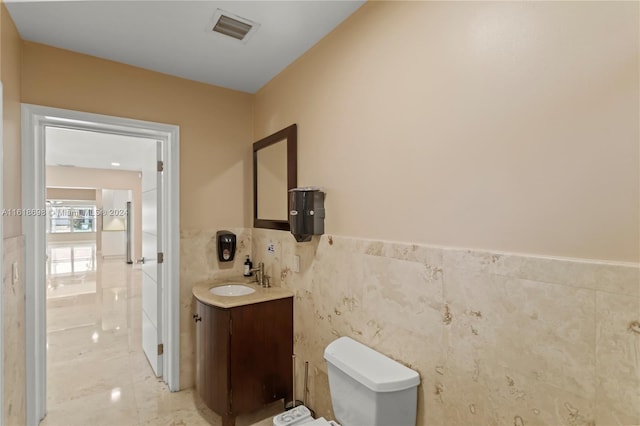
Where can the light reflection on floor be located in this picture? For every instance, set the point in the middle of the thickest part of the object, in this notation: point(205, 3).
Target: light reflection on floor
point(97, 373)
point(71, 270)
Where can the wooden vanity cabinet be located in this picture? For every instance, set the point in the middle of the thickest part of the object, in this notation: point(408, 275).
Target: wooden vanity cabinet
point(243, 356)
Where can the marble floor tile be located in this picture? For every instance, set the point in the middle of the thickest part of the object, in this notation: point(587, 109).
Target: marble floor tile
point(111, 407)
point(618, 359)
point(97, 373)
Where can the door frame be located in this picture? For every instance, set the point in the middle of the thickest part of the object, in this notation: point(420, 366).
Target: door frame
point(34, 120)
point(1, 256)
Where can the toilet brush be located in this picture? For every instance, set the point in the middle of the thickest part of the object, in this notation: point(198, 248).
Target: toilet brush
point(294, 403)
point(306, 387)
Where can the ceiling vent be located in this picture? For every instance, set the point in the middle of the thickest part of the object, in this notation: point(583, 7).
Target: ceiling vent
point(233, 26)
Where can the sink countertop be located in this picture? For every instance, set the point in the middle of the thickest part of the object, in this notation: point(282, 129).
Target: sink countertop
point(201, 292)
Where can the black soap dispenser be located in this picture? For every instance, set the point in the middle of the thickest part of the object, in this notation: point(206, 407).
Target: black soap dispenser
point(226, 245)
point(248, 266)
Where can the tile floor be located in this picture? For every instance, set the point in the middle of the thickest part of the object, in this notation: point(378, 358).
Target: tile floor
point(97, 373)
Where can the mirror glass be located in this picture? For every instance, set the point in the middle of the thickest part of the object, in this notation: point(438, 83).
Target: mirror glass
point(272, 181)
point(274, 173)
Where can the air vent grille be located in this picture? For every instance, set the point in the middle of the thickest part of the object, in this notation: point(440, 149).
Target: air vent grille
point(232, 27)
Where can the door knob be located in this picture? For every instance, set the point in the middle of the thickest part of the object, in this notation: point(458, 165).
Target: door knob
point(141, 260)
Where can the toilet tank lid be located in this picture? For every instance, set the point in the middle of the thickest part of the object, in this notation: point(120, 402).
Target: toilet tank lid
point(373, 369)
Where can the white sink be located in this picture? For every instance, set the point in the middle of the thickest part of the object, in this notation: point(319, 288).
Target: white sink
point(232, 290)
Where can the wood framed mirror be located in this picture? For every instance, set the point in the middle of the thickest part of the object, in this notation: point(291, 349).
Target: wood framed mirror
point(275, 172)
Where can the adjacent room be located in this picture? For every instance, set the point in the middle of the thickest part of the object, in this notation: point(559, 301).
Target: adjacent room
point(363, 213)
point(93, 280)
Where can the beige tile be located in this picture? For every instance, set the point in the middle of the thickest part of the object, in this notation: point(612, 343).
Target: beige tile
point(114, 309)
point(140, 369)
point(153, 400)
point(110, 407)
point(72, 316)
point(546, 331)
point(404, 294)
point(320, 397)
point(90, 369)
point(187, 360)
point(618, 359)
point(615, 277)
point(198, 253)
point(186, 408)
point(14, 334)
point(86, 344)
point(182, 418)
point(502, 328)
point(519, 331)
point(498, 395)
point(273, 260)
point(403, 303)
point(312, 330)
point(85, 377)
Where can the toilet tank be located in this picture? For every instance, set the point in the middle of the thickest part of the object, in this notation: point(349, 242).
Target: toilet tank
point(368, 388)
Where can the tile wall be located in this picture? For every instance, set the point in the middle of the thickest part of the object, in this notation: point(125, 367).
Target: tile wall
point(497, 338)
point(199, 262)
point(14, 411)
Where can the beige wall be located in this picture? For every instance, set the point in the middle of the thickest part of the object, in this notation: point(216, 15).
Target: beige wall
point(71, 194)
point(215, 124)
point(489, 125)
point(13, 359)
point(11, 46)
point(99, 179)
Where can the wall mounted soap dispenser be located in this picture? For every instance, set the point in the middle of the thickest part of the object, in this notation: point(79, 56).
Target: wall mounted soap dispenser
point(306, 212)
point(226, 245)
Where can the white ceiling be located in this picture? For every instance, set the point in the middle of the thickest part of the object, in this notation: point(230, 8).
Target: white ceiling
point(79, 148)
point(174, 37)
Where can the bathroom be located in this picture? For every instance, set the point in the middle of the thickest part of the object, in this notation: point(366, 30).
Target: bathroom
point(480, 164)
point(466, 208)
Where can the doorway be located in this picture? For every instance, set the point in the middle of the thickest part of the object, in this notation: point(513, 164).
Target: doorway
point(35, 120)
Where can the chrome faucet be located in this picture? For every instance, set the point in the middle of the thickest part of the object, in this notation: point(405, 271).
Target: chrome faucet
point(261, 278)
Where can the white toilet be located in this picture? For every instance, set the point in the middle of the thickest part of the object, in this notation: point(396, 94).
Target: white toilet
point(367, 389)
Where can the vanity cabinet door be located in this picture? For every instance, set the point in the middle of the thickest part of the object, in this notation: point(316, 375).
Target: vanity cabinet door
point(261, 351)
point(243, 356)
point(212, 357)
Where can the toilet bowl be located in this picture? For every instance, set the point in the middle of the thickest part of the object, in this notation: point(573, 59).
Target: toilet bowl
point(366, 387)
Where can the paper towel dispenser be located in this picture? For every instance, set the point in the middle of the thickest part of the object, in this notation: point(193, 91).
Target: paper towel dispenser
point(306, 212)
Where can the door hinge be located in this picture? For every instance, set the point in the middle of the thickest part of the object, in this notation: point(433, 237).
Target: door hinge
point(160, 257)
point(160, 166)
point(160, 348)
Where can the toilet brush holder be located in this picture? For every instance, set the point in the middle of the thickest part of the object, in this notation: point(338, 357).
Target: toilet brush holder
point(306, 388)
point(296, 402)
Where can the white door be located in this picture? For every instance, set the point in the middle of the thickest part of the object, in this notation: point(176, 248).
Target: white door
point(151, 246)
